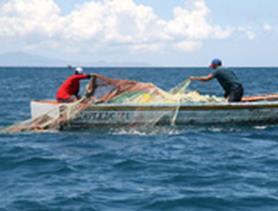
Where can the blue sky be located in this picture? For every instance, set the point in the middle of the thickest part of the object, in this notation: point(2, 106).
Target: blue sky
point(151, 32)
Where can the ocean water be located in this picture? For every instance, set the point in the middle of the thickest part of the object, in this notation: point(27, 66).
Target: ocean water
point(165, 168)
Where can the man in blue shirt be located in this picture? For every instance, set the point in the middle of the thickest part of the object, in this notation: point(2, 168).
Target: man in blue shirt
point(227, 79)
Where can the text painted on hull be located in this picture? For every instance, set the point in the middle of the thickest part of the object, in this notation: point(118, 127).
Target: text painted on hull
point(103, 116)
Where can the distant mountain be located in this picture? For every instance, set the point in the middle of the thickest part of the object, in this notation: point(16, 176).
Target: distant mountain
point(25, 59)
point(30, 60)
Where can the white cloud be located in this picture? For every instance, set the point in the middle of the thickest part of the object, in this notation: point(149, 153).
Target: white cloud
point(267, 27)
point(188, 45)
point(251, 35)
point(193, 23)
point(109, 22)
point(148, 47)
point(27, 17)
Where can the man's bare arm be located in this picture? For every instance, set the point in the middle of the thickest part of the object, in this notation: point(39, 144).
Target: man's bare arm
point(202, 78)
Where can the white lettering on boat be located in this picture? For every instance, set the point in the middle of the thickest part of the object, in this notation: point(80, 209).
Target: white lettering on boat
point(103, 116)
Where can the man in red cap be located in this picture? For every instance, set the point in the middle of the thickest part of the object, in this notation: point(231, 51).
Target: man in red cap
point(68, 91)
point(227, 79)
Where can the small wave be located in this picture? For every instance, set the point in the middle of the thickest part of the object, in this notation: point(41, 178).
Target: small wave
point(260, 127)
point(182, 203)
point(129, 165)
point(10, 161)
point(27, 205)
point(147, 131)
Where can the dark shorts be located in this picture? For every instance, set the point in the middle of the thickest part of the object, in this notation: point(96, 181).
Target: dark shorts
point(236, 94)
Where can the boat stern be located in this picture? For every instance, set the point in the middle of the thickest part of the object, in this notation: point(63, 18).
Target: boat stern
point(42, 107)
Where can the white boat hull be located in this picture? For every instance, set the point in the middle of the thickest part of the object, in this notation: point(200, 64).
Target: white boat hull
point(185, 114)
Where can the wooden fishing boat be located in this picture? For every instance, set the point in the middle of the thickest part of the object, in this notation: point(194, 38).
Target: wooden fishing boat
point(253, 110)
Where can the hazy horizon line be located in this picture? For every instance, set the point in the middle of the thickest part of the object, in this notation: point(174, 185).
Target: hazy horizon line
point(116, 67)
